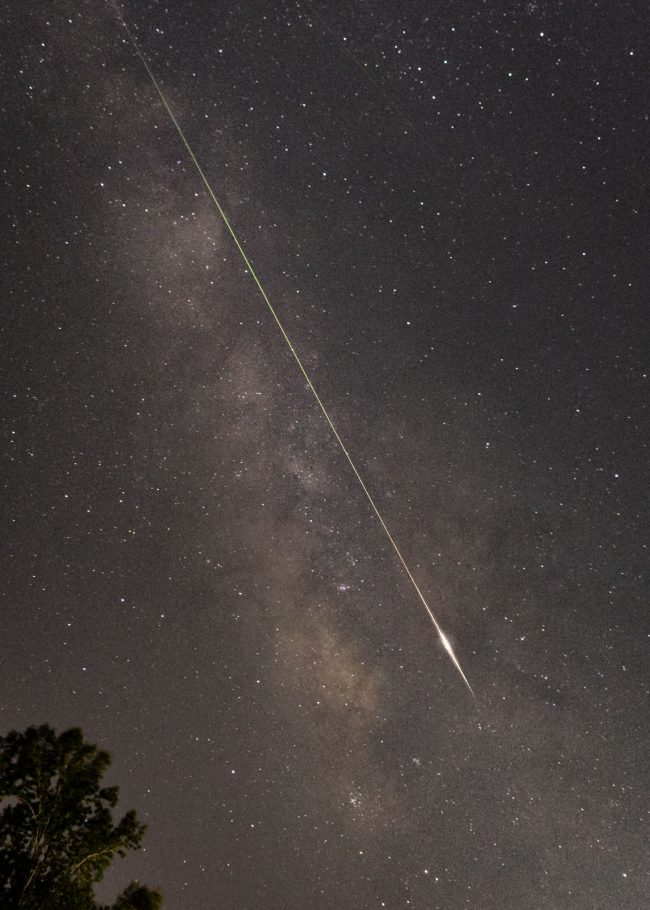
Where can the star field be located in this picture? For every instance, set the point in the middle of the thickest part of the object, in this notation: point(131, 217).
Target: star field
point(444, 204)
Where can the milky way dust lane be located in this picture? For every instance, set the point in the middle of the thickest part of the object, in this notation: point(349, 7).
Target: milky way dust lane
point(443, 638)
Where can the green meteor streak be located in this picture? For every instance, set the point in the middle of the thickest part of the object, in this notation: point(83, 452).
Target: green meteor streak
point(443, 638)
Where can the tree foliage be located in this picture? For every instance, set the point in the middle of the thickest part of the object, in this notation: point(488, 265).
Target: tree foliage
point(57, 832)
point(138, 897)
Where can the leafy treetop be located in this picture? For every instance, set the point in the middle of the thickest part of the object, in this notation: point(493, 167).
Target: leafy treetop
point(57, 833)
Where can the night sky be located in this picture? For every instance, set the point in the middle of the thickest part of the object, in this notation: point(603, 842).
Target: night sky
point(444, 202)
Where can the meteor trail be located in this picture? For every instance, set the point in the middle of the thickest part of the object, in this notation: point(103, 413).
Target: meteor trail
point(443, 638)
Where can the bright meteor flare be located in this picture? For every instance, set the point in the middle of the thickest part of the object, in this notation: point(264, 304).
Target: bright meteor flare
point(294, 353)
point(450, 652)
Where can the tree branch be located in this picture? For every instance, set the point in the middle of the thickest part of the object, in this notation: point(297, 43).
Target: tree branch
point(98, 853)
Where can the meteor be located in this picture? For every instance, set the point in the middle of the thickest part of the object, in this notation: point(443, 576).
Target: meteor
point(443, 638)
point(450, 651)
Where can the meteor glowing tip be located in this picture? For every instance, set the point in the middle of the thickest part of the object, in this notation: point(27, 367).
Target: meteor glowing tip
point(450, 651)
point(447, 644)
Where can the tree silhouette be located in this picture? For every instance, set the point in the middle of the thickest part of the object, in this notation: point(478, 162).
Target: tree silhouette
point(57, 833)
point(137, 897)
